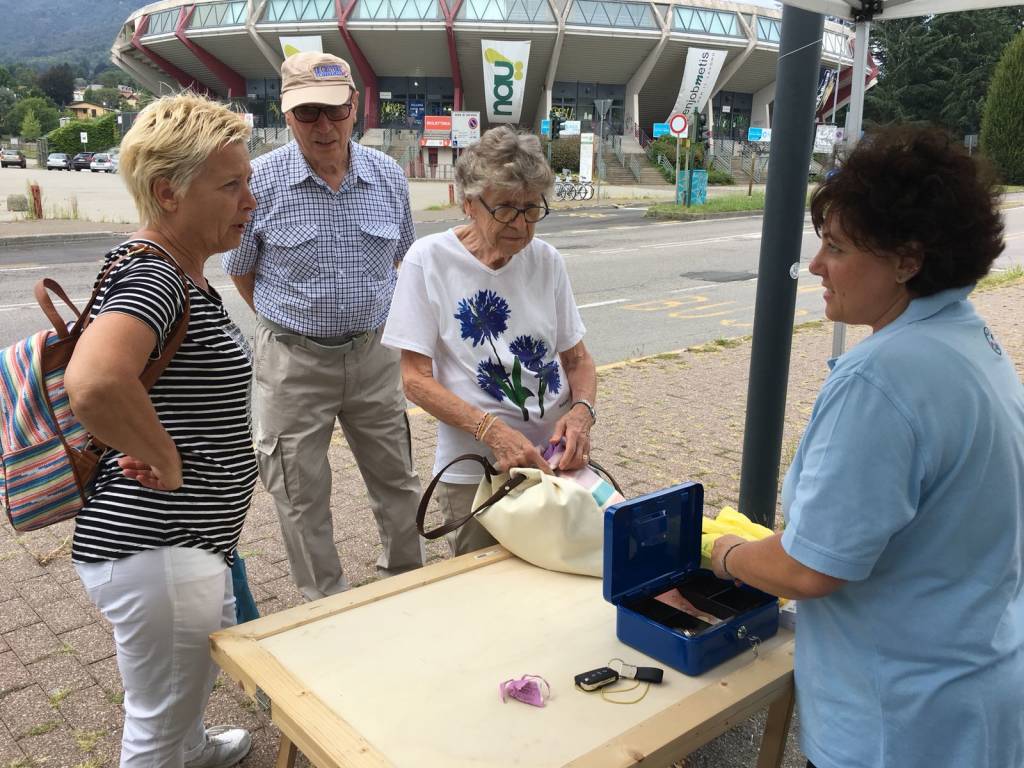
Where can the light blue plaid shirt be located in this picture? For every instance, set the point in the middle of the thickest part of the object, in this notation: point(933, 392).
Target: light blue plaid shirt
point(325, 260)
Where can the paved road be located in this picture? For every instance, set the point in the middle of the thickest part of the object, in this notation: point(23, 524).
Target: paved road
point(643, 287)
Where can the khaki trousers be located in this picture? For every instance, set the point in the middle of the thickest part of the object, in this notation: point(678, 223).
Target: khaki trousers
point(456, 501)
point(299, 389)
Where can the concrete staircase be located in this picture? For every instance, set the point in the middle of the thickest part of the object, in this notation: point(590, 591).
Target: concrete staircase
point(616, 173)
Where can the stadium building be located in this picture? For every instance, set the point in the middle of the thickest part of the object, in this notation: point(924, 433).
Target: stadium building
point(414, 59)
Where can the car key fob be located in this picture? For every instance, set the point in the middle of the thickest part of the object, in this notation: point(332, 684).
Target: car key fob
point(596, 678)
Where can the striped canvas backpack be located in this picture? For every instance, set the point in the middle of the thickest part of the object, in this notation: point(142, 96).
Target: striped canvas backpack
point(48, 459)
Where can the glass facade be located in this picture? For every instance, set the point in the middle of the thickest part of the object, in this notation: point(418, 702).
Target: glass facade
point(606, 13)
point(702, 21)
point(575, 101)
point(299, 10)
point(404, 101)
point(163, 23)
point(229, 14)
point(513, 11)
point(398, 10)
point(263, 100)
point(769, 30)
point(732, 114)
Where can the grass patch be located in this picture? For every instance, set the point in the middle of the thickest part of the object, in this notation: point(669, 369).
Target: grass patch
point(1008, 189)
point(92, 762)
point(719, 344)
point(21, 762)
point(810, 325)
point(1014, 274)
point(439, 207)
point(42, 728)
point(115, 697)
point(723, 204)
point(58, 696)
point(87, 740)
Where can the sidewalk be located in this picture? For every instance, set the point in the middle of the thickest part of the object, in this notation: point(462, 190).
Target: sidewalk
point(663, 420)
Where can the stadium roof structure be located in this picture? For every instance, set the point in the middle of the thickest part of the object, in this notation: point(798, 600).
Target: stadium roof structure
point(220, 45)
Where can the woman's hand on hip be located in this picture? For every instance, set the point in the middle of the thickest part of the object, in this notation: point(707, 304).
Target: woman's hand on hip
point(574, 426)
point(158, 478)
point(512, 449)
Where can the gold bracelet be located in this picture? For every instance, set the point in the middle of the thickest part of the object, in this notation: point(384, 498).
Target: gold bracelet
point(482, 426)
point(489, 425)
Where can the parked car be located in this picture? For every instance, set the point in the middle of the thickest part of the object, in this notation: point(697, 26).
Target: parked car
point(101, 161)
point(12, 157)
point(81, 161)
point(58, 160)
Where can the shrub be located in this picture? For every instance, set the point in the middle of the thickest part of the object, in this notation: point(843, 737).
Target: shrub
point(1002, 123)
point(565, 153)
point(102, 135)
point(716, 176)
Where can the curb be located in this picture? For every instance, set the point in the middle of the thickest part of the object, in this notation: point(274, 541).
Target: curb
point(755, 213)
point(56, 237)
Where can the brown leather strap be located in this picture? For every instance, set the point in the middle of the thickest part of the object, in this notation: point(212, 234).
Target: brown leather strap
point(489, 472)
point(42, 289)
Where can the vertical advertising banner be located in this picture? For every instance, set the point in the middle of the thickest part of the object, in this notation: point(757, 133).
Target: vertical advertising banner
point(703, 65)
point(505, 63)
point(292, 45)
point(586, 157)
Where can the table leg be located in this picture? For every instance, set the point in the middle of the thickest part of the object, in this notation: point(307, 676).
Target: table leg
point(286, 754)
point(773, 742)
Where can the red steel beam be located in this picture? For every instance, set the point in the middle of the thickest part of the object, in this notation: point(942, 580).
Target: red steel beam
point(184, 79)
point(453, 56)
point(234, 82)
point(371, 90)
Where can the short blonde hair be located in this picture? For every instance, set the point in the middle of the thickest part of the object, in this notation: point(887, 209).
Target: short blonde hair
point(504, 159)
point(171, 139)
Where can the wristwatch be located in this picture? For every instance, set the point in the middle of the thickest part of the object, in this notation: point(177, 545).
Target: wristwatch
point(588, 405)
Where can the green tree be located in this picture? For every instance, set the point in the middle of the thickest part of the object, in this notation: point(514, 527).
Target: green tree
point(6, 78)
point(58, 83)
point(30, 126)
point(44, 110)
point(1003, 121)
point(937, 69)
point(7, 101)
point(104, 97)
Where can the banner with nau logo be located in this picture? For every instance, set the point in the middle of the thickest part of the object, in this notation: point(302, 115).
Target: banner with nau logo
point(505, 63)
point(307, 44)
point(703, 65)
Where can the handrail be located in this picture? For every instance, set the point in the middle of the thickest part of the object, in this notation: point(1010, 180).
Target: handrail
point(634, 166)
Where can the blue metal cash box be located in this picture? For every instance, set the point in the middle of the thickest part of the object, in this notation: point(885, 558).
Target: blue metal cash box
point(667, 605)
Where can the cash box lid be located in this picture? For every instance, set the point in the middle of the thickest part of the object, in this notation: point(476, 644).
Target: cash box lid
point(652, 541)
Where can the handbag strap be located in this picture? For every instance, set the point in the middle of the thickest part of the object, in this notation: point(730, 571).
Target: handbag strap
point(489, 472)
point(595, 466)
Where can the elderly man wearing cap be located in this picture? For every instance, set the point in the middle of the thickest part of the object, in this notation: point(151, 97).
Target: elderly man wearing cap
point(318, 266)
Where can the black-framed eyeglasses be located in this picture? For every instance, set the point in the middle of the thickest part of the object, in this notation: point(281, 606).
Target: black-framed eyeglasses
point(310, 113)
point(506, 214)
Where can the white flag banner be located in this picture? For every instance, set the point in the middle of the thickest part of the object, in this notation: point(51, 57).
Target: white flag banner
point(308, 44)
point(505, 63)
point(703, 65)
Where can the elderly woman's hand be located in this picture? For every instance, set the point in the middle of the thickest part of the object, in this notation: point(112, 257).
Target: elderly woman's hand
point(574, 426)
point(512, 449)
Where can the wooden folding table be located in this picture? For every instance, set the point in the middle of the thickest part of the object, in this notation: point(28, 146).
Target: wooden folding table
point(406, 672)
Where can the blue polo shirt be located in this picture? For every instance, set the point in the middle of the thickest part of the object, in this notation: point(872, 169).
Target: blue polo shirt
point(909, 484)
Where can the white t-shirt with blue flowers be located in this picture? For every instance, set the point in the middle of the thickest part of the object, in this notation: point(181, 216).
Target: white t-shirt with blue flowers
point(493, 334)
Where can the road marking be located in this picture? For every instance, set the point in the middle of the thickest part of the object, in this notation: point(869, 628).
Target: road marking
point(83, 299)
point(601, 303)
point(21, 269)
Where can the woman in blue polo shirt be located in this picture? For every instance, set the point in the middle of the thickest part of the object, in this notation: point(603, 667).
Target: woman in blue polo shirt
point(904, 504)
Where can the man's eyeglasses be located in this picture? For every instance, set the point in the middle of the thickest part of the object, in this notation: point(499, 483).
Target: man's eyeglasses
point(506, 214)
point(310, 113)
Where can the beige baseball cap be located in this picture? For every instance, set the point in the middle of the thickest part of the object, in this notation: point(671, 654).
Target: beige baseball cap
point(315, 78)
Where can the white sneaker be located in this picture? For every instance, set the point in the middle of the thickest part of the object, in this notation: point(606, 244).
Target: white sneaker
point(225, 746)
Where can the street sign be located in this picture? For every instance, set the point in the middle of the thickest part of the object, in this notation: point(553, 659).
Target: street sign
point(678, 125)
point(545, 127)
point(759, 134)
point(602, 106)
point(465, 128)
point(571, 128)
point(825, 138)
point(660, 129)
point(83, 137)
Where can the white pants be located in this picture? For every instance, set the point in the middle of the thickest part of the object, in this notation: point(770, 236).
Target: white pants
point(163, 605)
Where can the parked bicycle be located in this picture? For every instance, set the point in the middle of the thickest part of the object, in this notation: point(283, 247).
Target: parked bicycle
point(568, 189)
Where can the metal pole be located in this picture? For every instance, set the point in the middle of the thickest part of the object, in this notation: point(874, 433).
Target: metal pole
point(854, 122)
point(779, 263)
point(679, 140)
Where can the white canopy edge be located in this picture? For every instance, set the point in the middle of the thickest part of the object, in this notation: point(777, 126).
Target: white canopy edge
point(898, 9)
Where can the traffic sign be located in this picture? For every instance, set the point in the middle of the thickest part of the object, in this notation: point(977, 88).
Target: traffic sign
point(759, 134)
point(678, 126)
point(84, 137)
point(660, 129)
point(545, 127)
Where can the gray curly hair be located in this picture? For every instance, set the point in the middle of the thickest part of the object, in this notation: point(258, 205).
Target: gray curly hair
point(504, 159)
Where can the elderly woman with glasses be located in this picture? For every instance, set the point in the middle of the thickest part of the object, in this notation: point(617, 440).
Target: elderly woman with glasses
point(490, 335)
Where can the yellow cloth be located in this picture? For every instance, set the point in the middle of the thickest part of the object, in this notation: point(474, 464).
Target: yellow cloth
point(728, 521)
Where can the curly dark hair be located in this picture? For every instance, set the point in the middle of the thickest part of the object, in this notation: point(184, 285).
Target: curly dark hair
point(913, 189)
